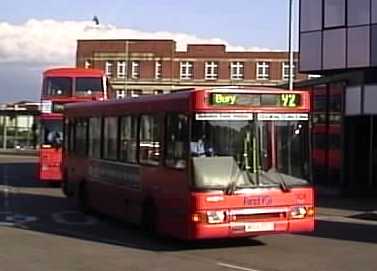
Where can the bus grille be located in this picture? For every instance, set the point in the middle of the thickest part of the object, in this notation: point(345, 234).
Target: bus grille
point(250, 215)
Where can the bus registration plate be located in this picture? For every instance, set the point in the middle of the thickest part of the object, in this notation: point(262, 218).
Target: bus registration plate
point(259, 226)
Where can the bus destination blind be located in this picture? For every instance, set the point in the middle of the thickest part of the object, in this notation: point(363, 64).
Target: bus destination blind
point(287, 100)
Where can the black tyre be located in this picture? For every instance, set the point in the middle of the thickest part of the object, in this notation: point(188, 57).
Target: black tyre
point(83, 198)
point(149, 218)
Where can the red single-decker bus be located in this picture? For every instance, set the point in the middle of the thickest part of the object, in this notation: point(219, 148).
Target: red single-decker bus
point(196, 164)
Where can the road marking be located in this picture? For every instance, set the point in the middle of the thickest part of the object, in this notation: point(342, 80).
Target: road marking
point(231, 266)
point(349, 220)
point(63, 218)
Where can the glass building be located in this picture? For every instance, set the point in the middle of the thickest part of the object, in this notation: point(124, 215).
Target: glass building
point(338, 40)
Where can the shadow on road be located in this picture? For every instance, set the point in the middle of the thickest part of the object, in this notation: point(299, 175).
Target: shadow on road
point(21, 174)
point(362, 204)
point(71, 223)
point(345, 231)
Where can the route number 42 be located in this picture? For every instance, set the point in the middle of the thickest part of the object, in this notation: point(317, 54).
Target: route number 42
point(289, 100)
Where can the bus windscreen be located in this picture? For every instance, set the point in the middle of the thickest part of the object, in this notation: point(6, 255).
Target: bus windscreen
point(249, 153)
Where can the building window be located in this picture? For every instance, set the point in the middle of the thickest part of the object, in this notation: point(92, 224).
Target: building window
point(358, 12)
point(286, 70)
point(158, 91)
point(311, 51)
point(95, 137)
point(135, 72)
point(122, 69)
point(310, 15)
point(110, 135)
point(358, 46)
point(211, 70)
point(335, 13)
point(334, 49)
point(108, 68)
point(157, 70)
point(88, 64)
point(128, 139)
point(237, 70)
point(263, 70)
point(176, 138)
point(186, 70)
point(120, 94)
point(150, 140)
point(134, 92)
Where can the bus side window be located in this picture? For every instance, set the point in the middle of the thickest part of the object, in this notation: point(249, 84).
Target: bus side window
point(150, 140)
point(94, 137)
point(128, 139)
point(81, 137)
point(110, 138)
point(176, 140)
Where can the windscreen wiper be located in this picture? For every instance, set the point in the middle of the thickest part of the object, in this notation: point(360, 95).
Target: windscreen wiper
point(282, 183)
point(231, 187)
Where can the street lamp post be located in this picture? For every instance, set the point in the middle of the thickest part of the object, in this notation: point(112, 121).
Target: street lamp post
point(290, 45)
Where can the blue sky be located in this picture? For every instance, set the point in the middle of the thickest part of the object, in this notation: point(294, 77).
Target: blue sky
point(246, 23)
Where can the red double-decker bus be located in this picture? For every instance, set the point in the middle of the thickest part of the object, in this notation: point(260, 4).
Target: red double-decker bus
point(196, 164)
point(61, 86)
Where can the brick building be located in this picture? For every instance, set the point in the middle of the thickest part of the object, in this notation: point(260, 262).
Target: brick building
point(137, 67)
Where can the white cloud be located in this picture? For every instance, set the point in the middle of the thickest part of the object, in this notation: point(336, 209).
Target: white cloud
point(54, 42)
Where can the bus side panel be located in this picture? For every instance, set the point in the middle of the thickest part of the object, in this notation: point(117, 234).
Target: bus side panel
point(168, 188)
point(50, 164)
point(114, 189)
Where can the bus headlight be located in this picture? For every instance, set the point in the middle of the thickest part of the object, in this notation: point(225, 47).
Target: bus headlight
point(215, 217)
point(298, 212)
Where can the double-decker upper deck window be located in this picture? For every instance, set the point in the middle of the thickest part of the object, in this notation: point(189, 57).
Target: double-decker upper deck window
point(211, 70)
point(237, 70)
point(150, 140)
point(95, 137)
point(110, 135)
point(128, 139)
point(186, 70)
point(88, 85)
point(58, 86)
point(176, 140)
point(263, 70)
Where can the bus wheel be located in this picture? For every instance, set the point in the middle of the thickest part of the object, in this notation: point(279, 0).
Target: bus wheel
point(83, 198)
point(148, 222)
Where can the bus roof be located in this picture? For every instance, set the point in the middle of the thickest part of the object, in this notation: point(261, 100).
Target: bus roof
point(73, 72)
point(194, 99)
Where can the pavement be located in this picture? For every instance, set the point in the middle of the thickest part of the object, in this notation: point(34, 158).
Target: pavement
point(18, 152)
point(358, 210)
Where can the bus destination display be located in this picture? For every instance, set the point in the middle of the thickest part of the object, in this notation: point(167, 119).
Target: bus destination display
point(290, 100)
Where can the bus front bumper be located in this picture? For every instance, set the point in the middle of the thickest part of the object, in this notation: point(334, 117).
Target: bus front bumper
point(250, 229)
